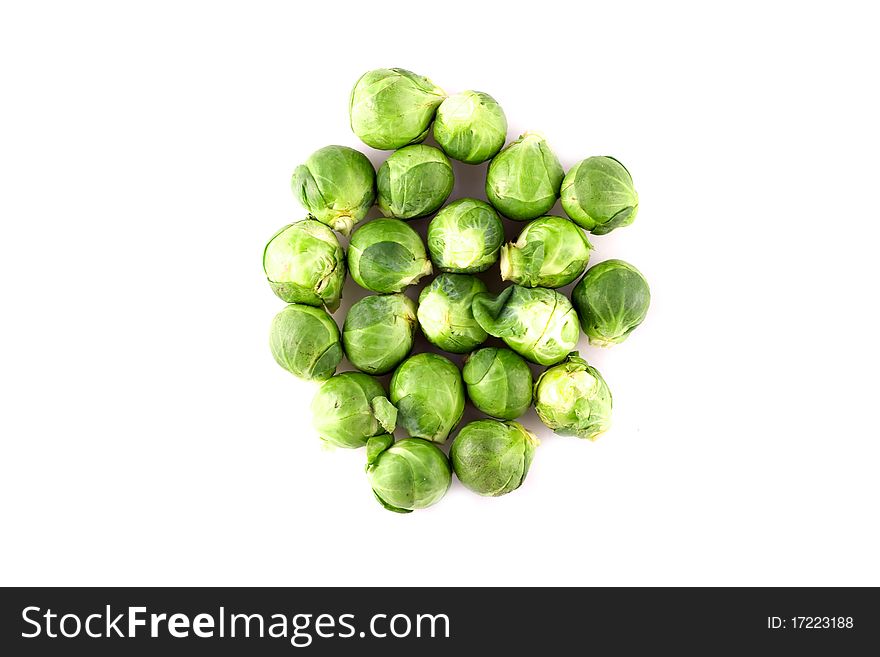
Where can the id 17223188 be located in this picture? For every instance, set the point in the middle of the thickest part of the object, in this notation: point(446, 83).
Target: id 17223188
point(810, 623)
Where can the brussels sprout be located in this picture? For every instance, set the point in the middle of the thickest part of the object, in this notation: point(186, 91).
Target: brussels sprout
point(612, 300)
point(492, 458)
point(523, 179)
point(470, 127)
point(537, 323)
point(499, 382)
point(386, 255)
point(305, 264)
point(464, 237)
point(429, 396)
point(305, 341)
point(414, 181)
point(549, 252)
point(392, 107)
point(445, 312)
point(406, 475)
point(573, 399)
point(378, 332)
point(598, 194)
point(337, 185)
point(350, 408)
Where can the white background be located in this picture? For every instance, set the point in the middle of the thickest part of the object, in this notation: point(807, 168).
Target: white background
point(149, 438)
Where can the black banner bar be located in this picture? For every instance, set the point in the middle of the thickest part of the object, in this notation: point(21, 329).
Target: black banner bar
point(422, 621)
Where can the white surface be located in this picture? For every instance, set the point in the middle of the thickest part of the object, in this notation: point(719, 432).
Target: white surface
point(149, 438)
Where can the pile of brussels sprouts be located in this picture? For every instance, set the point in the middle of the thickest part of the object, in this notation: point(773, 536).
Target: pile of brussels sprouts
point(394, 109)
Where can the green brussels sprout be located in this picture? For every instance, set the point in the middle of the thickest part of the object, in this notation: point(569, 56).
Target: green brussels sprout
point(445, 312)
point(337, 185)
point(612, 299)
point(537, 323)
point(386, 255)
point(470, 127)
point(393, 107)
point(492, 458)
point(549, 252)
point(499, 382)
point(523, 180)
point(409, 474)
point(598, 194)
point(573, 399)
point(304, 263)
point(429, 396)
point(305, 341)
point(465, 236)
point(414, 181)
point(350, 408)
point(378, 332)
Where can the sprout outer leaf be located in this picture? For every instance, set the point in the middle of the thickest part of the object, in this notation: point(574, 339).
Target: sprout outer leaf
point(376, 445)
point(385, 413)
